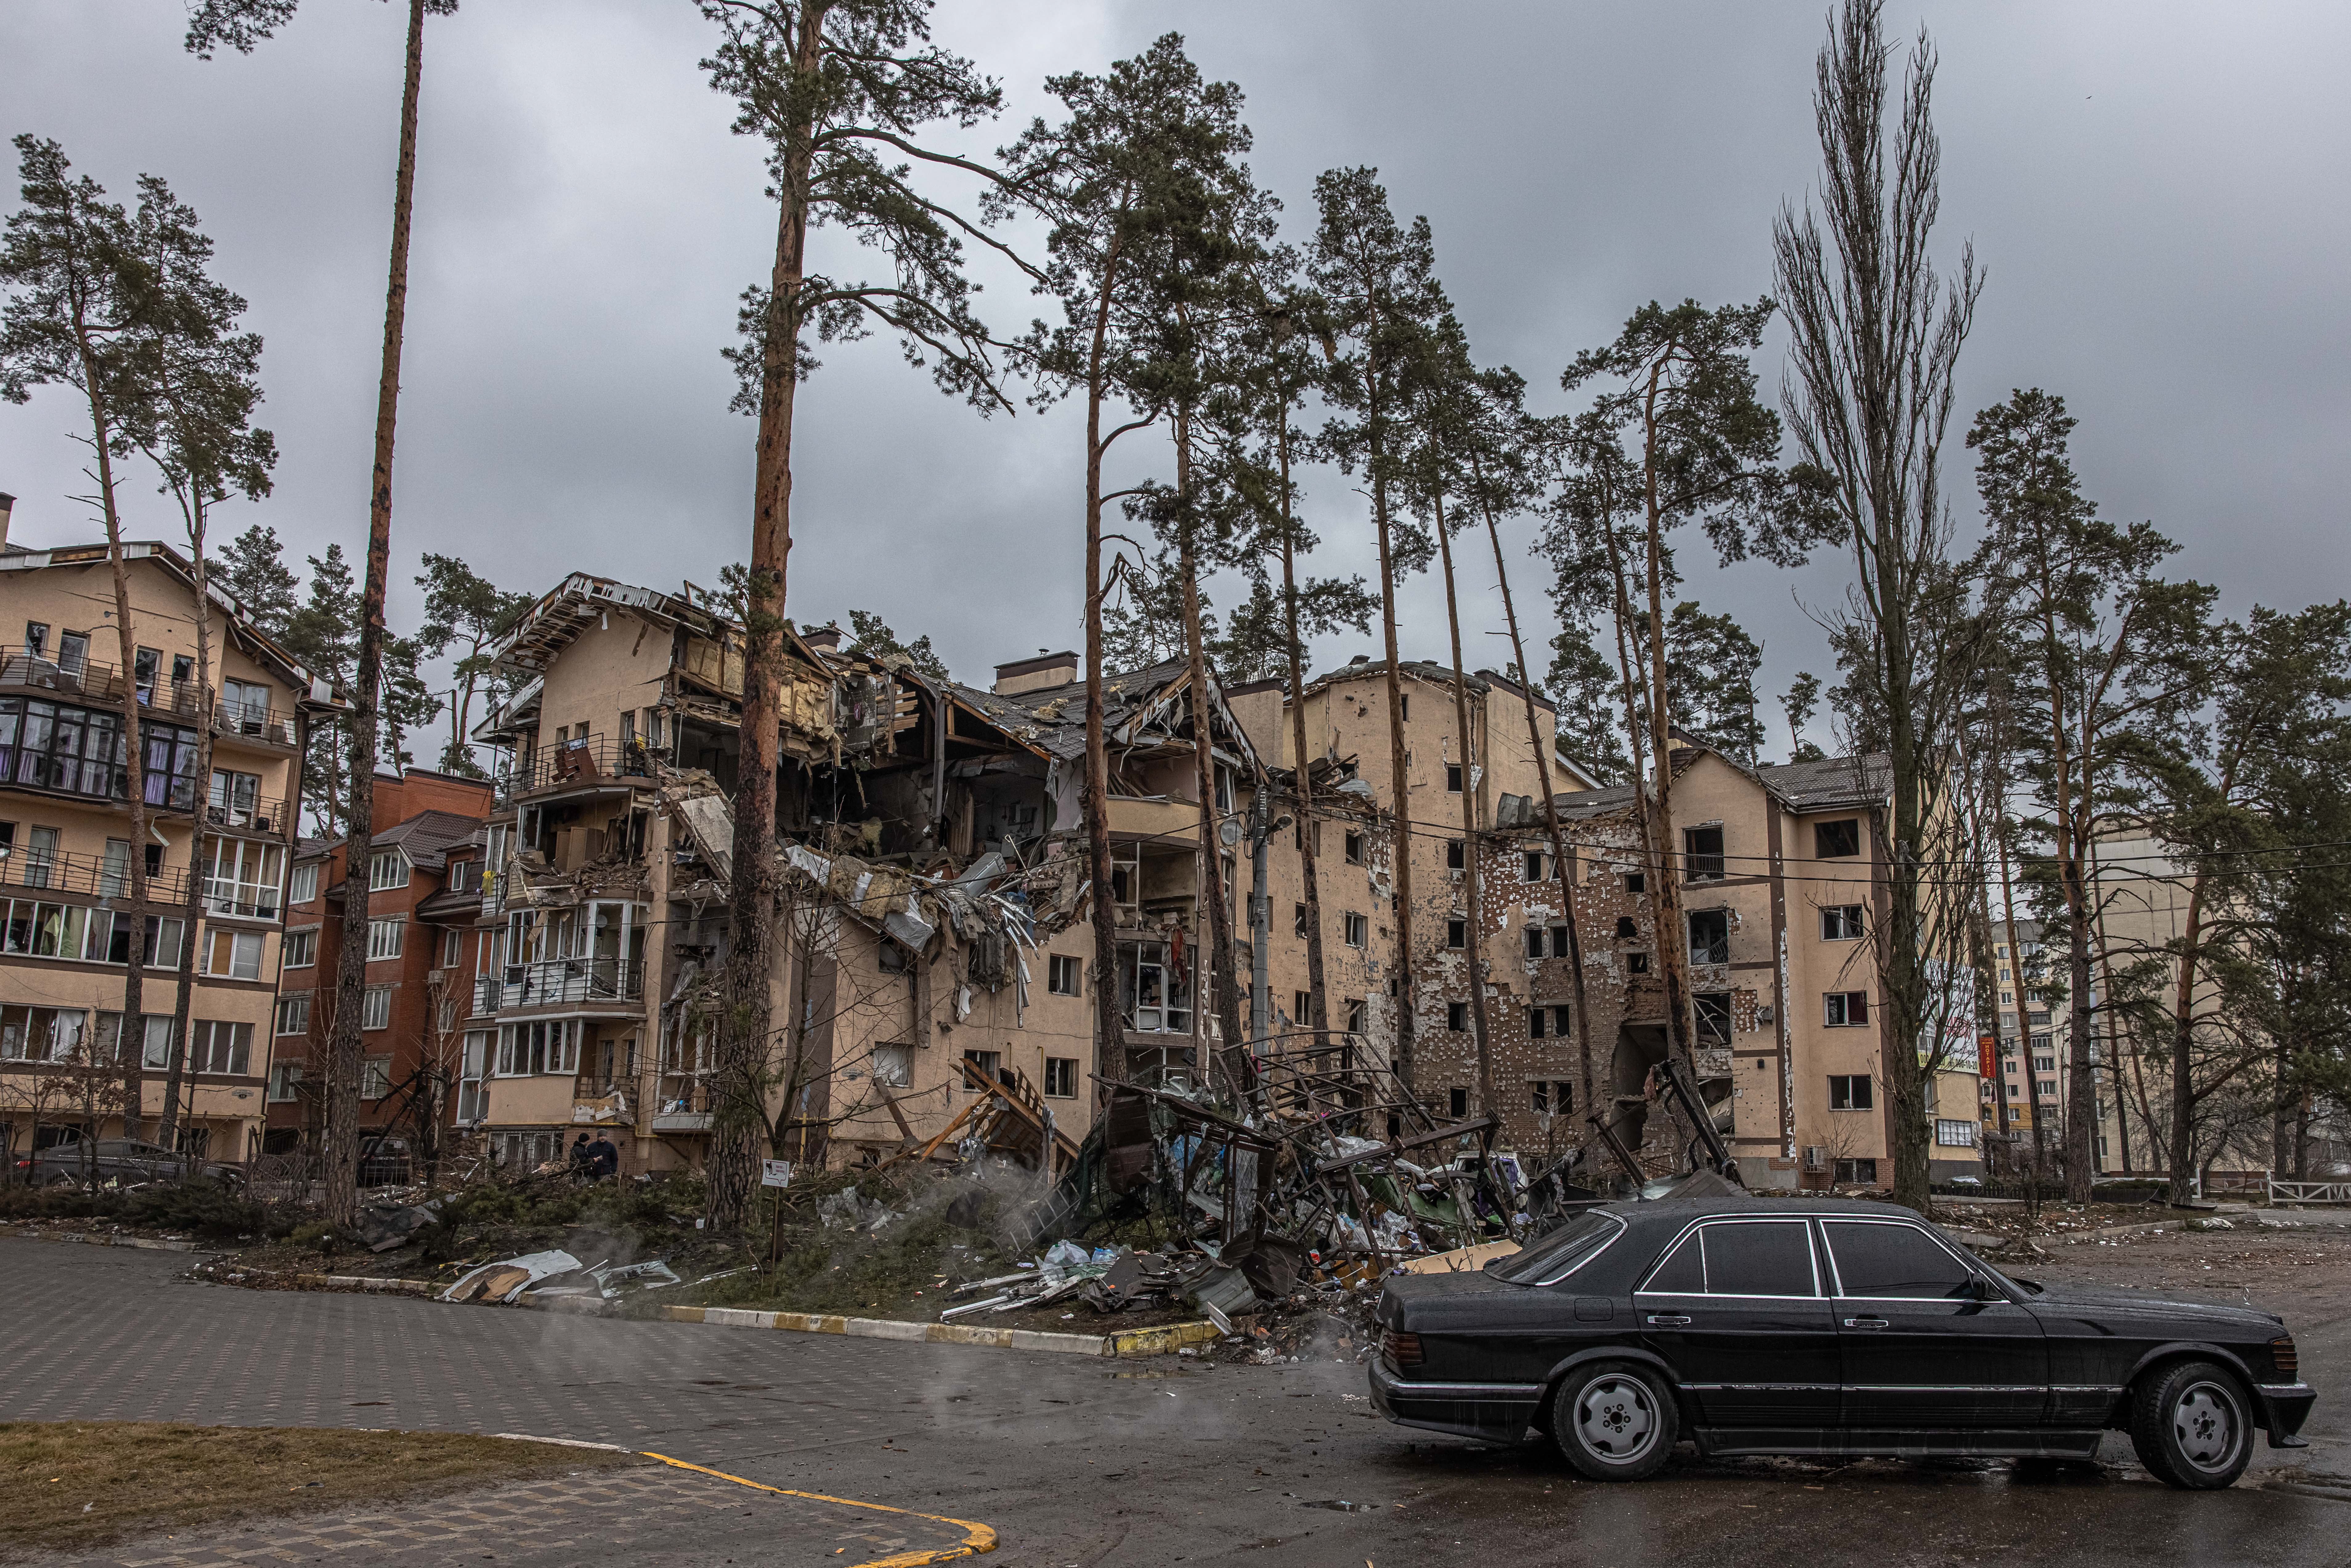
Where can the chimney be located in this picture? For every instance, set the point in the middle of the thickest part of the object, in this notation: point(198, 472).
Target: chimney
point(7, 506)
point(1035, 674)
point(823, 639)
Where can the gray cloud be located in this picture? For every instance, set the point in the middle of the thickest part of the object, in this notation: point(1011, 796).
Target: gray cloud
point(2158, 193)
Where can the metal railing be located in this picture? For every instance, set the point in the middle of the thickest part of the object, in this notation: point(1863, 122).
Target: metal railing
point(50, 669)
point(62, 871)
point(556, 981)
point(272, 815)
point(571, 763)
point(487, 994)
point(248, 721)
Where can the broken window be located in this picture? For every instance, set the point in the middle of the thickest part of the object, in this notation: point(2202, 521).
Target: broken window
point(1635, 881)
point(1354, 848)
point(1454, 859)
point(1549, 1021)
point(1359, 930)
point(1061, 1077)
point(1157, 989)
point(1849, 1092)
point(1461, 1103)
point(1063, 975)
point(1637, 962)
point(1713, 1010)
point(990, 1064)
point(1559, 941)
point(1453, 778)
point(893, 1066)
point(1842, 922)
point(1298, 917)
point(1301, 1006)
point(1834, 840)
point(1456, 932)
point(1457, 1015)
point(1534, 942)
point(1702, 854)
point(1845, 1009)
point(1355, 1015)
point(1625, 928)
point(1709, 935)
point(1553, 1098)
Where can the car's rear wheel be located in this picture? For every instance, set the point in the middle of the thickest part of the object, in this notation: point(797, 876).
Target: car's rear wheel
point(2192, 1425)
point(1615, 1421)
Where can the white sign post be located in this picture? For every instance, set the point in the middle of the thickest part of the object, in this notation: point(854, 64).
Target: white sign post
point(775, 1173)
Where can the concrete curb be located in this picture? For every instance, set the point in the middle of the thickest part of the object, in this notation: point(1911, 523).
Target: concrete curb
point(143, 1243)
point(233, 1274)
point(1159, 1341)
point(1165, 1340)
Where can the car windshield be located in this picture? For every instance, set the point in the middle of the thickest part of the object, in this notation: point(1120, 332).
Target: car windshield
point(1550, 1257)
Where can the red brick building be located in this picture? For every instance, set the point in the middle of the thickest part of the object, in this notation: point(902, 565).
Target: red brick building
point(424, 895)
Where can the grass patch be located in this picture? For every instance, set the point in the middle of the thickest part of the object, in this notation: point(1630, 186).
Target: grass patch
point(74, 1484)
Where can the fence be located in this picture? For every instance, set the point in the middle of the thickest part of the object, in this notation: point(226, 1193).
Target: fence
point(2309, 1191)
point(61, 870)
point(583, 762)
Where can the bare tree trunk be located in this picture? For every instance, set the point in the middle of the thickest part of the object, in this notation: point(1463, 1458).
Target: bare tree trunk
point(1672, 925)
point(1562, 863)
point(1317, 991)
point(1212, 877)
point(102, 435)
point(1110, 1036)
point(739, 1121)
point(2183, 1038)
point(1473, 955)
point(192, 909)
point(1399, 766)
point(343, 1048)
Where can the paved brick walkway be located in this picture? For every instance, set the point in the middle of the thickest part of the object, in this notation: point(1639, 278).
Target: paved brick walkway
point(603, 1516)
point(106, 1334)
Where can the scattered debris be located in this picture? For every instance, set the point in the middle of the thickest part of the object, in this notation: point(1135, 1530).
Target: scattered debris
point(506, 1280)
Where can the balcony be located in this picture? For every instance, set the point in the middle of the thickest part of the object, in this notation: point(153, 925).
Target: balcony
point(487, 993)
point(582, 764)
point(59, 871)
point(685, 1104)
point(249, 724)
point(77, 677)
point(243, 900)
point(569, 982)
point(273, 817)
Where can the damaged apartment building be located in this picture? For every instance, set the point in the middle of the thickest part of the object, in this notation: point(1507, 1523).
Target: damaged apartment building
point(1781, 881)
point(934, 947)
point(932, 942)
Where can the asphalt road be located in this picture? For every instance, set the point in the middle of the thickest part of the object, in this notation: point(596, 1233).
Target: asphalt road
point(1070, 1461)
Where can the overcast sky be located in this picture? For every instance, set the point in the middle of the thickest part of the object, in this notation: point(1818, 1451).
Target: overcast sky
point(2158, 194)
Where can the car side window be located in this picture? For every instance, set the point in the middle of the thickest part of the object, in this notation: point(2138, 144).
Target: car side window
point(1760, 1258)
point(1683, 1273)
point(1898, 1262)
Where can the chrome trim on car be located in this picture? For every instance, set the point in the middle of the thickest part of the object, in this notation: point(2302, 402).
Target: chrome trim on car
point(1622, 1228)
point(1467, 1390)
point(1762, 1388)
point(2274, 1388)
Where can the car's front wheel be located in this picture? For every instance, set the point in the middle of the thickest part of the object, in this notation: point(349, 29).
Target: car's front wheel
point(1615, 1421)
point(2192, 1425)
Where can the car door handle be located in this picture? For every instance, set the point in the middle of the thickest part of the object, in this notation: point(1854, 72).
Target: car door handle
point(1866, 1324)
point(1668, 1320)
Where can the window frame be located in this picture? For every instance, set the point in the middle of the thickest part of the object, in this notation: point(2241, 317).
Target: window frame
point(1860, 1092)
point(290, 1002)
point(302, 886)
point(1834, 1002)
point(1066, 1067)
point(1837, 1275)
point(1358, 930)
point(1841, 922)
point(1057, 964)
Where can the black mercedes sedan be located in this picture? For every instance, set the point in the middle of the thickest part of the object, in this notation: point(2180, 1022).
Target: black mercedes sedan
point(1778, 1326)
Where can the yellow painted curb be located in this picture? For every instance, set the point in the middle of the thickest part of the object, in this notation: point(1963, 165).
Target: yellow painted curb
point(1160, 1341)
point(978, 1538)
